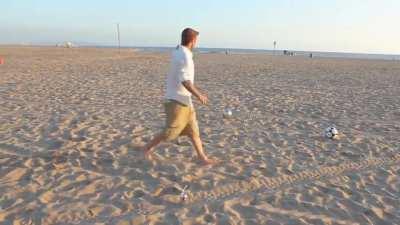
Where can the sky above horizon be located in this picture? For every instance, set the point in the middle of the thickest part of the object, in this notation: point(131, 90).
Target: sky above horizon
point(368, 26)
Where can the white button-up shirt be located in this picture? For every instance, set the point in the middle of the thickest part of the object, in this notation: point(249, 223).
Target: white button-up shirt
point(181, 69)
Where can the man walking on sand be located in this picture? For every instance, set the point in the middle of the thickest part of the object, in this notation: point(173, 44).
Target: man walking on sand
point(181, 116)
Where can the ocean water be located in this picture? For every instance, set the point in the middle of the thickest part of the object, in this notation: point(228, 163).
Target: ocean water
point(270, 52)
point(277, 52)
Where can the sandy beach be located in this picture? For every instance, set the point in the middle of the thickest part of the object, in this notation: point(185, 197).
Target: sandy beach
point(72, 122)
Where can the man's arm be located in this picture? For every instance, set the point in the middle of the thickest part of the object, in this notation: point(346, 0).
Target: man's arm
point(192, 89)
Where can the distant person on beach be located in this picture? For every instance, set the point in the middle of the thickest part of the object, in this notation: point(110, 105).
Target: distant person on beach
point(181, 116)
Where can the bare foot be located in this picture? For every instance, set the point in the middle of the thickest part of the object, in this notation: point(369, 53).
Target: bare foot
point(208, 161)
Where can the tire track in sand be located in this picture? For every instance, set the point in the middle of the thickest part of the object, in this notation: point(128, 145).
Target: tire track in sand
point(254, 184)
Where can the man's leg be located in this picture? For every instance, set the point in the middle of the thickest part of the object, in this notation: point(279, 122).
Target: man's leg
point(177, 117)
point(198, 145)
point(192, 130)
point(149, 148)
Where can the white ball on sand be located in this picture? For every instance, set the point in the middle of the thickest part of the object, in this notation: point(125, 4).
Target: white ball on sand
point(331, 132)
point(184, 197)
point(227, 113)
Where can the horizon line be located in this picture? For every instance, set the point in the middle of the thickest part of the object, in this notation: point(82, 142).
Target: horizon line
point(88, 44)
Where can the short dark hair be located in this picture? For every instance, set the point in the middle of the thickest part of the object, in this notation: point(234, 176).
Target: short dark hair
point(188, 35)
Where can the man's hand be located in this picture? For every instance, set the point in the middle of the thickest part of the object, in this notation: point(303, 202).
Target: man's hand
point(192, 89)
point(203, 99)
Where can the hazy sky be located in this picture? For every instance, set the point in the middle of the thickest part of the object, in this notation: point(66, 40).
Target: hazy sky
point(371, 26)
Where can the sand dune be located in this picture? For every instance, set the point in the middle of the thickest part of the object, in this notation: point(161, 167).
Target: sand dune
point(72, 121)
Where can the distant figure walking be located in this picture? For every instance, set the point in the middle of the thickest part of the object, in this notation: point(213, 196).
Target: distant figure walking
point(181, 116)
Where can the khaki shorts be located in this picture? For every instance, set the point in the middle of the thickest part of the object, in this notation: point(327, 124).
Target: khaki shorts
point(181, 120)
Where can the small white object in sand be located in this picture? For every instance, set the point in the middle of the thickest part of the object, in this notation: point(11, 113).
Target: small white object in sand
point(184, 196)
point(331, 132)
point(227, 113)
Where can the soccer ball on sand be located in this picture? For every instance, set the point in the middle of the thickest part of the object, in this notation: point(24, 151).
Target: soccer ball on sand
point(331, 132)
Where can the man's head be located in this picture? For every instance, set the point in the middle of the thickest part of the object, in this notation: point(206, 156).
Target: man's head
point(189, 38)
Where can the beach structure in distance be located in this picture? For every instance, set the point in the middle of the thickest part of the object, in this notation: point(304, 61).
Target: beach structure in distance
point(289, 53)
point(66, 45)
